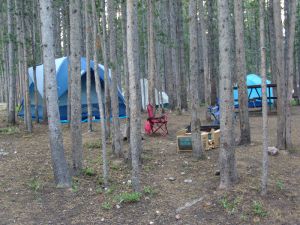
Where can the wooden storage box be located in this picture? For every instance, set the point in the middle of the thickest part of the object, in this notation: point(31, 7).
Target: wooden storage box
point(184, 142)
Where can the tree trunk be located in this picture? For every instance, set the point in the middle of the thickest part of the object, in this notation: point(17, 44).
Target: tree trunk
point(211, 49)
point(272, 43)
point(88, 70)
point(280, 76)
point(106, 77)
point(25, 72)
point(182, 67)
point(151, 54)
point(227, 162)
point(168, 58)
point(75, 85)
point(125, 66)
point(12, 77)
point(96, 40)
point(117, 141)
point(207, 82)
point(200, 77)
point(174, 55)
point(264, 180)
point(290, 71)
point(240, 60)
point(196, 133)
point(135, 114)
point(36, 109)
point(59, 164)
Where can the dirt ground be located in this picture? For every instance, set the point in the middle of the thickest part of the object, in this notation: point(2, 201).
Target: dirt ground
point(170, 182)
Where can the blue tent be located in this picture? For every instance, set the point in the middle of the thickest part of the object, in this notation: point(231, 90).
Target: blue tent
point(253, 93)
point(62, 90)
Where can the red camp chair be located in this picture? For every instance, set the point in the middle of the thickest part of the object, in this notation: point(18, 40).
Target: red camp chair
point(157, 124)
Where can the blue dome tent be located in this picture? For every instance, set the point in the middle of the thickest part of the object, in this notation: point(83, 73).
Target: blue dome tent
point(253, 93)
point(62, 90)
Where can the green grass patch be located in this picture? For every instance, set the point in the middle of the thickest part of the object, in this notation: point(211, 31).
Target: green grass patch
point(129, 197)
point(9, 130)
point(258, 209)
point(149, 191)
point(279, 185)
point(92, 145)
point(106, 206)
point(88, 171)
point(35, 184)
point(230, 205)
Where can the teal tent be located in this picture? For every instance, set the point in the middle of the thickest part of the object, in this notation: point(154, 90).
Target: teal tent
point(253, 93)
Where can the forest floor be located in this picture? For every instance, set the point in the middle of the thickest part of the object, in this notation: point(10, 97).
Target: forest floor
point(170, 181)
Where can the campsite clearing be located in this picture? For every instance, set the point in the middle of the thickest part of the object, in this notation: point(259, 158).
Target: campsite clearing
point(28, 194)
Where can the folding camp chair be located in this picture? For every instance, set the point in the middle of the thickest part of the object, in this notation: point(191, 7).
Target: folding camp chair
point(157, 124)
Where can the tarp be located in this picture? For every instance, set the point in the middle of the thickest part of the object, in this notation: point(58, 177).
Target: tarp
point(62, 89)
point(160, 97)
point(253, 79)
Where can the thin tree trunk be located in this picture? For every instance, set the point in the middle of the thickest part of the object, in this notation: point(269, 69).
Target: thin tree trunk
point(182, 67)
point(207, 82)
point(211, 47)
point(60, 167)
point(135, 114)
point(265, 163)
point(240, 60)
point(200, 77)
point(196, 133)
point(26, 77)
point(117, 141)
point(280, 76)
point(174, 55)
point(151, 54)
point(106, 77)
point(227, 162)
point(289, 72)
point(96, 40)
point(12, 77)
point(75, 86)
point(125, 65)
point(88, 70)
point(36, 109)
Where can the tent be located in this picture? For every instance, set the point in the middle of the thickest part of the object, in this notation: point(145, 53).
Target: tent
point(160, 97)
point(253, 93)
point(62, 90)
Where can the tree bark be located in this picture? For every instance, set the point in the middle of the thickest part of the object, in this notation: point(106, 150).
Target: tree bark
point(33, 44)
point(290, 71)
point(151, 54)
point(88, 70)
point(75, 86)
point(117, 141)
point(106, 76)
point(59, 164)
point(25, 72)
point(196, 133)
point(245, 137)
point(227, 162)
point(96, 40)
point(135, 114)
point(12, 77)
point(182, 65)
point(207, 78)
point(174, 55)
point(264, 179)
point(125, 66)
point(211, 50)
point(281, 116)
